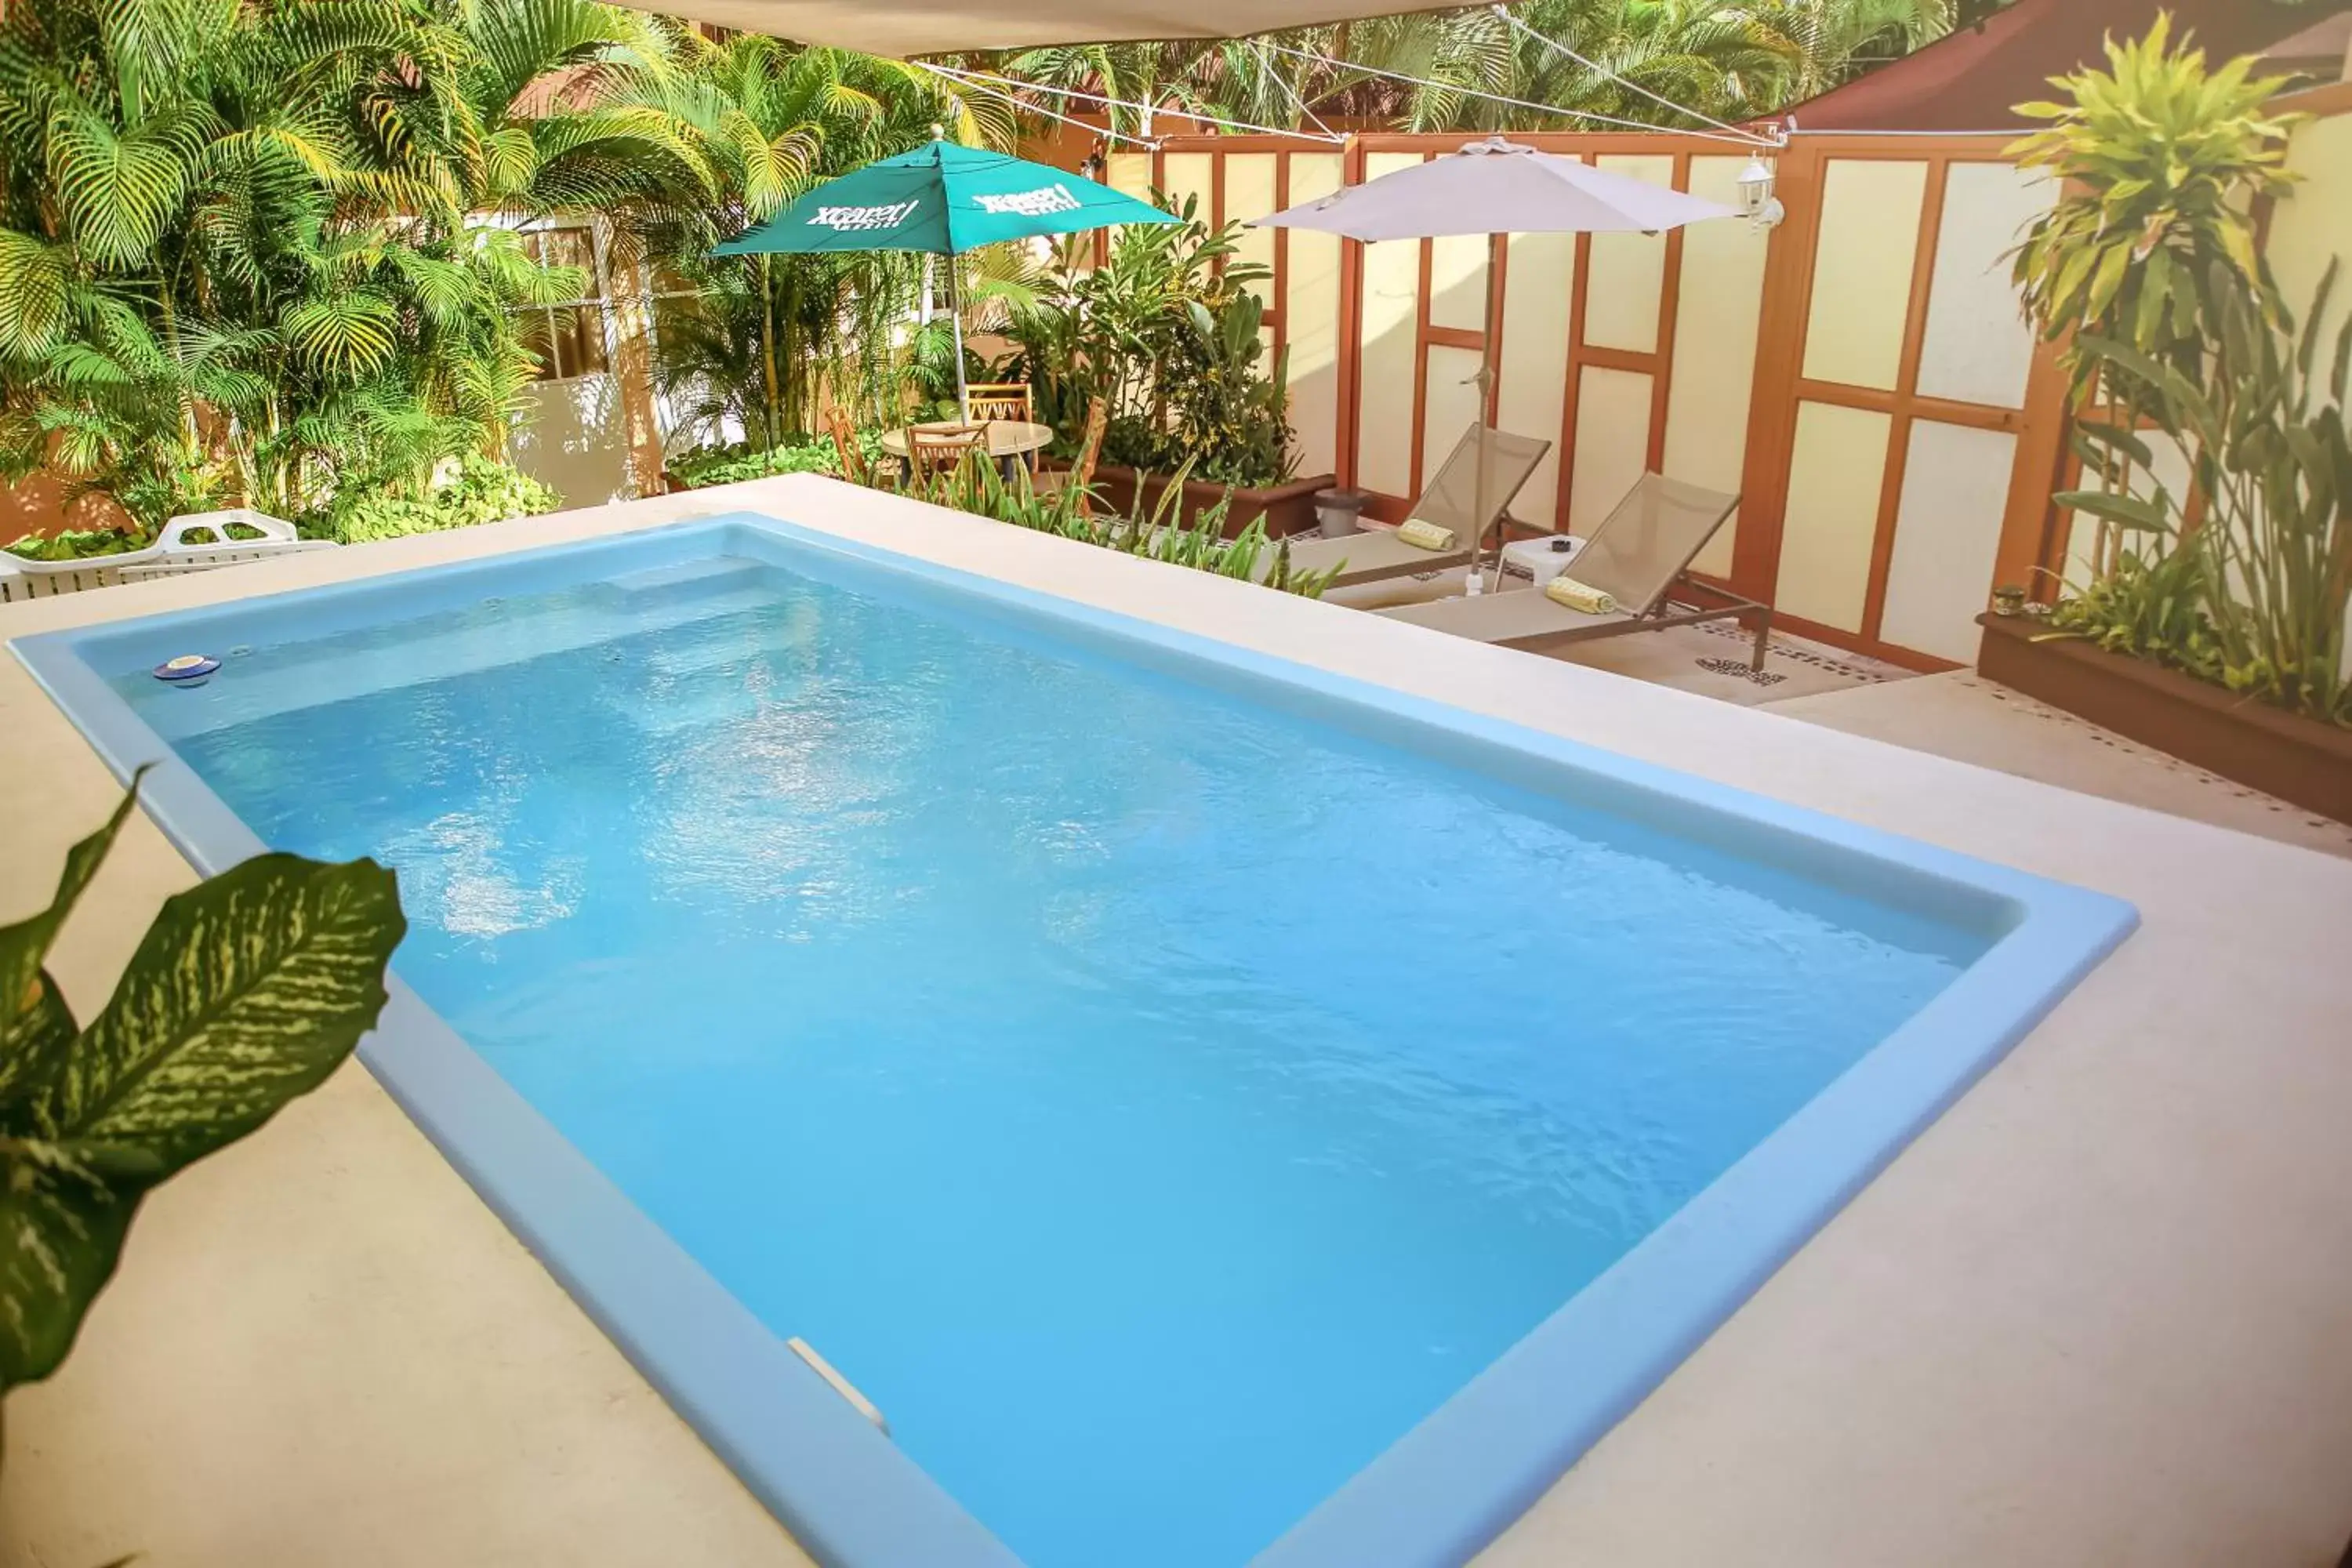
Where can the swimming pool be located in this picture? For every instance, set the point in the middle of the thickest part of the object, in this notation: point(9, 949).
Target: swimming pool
point(1215, 1110)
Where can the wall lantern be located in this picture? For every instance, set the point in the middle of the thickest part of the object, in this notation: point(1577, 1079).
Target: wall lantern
point(1756, 199)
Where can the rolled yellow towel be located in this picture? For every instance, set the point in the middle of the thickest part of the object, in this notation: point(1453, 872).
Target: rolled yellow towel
point(1575, 596)
point(1424, 535)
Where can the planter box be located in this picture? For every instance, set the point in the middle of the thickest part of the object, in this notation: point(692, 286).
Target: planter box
point(1288, 508)
point(2286, 755)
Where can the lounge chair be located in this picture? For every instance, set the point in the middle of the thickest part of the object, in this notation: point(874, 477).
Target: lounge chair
point(1639, 555)
point(171, 554)
point(1448, 500)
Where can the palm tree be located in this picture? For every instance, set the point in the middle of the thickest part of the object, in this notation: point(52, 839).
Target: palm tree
point(239, 249)
point(759, 336)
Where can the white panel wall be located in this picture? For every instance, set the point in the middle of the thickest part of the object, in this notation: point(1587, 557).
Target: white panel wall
point(1311, 320)
point(1621, 302)
point(1947, 531)
point(1720, 301)
point(1457, 282)
point(1187, 174)
point(1384, 438)
point(1249, 192)
point(1977, 347)
point(1128, 173)
point(1533, 371)
point(1835, 473)
point(1613, 439)
point(2314, 224)
point(1862, 271)
point(1452, 407)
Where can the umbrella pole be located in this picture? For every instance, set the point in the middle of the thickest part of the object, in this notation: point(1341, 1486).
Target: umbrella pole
point(1485, 378)
point(955, 314)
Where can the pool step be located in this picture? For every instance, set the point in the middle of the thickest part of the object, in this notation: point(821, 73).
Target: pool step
point(794, 627)
point(683, 579)
point(841, 1385)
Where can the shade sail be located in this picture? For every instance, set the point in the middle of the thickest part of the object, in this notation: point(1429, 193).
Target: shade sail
point(1499, 187)
point(944, 199)
point(932, 26)
point(1974, 78)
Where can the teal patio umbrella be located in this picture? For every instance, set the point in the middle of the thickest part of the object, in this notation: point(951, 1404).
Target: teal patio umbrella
point(944, 199)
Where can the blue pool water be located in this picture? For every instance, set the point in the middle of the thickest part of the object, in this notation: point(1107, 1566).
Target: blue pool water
point(1154, 1101)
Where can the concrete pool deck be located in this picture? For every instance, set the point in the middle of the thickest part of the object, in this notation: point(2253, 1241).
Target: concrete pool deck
point(2098, 1312)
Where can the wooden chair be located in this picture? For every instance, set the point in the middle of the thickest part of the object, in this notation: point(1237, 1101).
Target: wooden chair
point(845, 445)
point(999, 400)
point(936, 454)
point(1003, 400)
point(1081, 471)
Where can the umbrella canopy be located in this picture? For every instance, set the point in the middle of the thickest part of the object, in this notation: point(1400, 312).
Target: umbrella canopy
point(944, 199)
point(1496, 187)
point(1499, 187)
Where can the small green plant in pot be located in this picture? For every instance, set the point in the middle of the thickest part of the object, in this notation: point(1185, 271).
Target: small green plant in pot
point(246, 991)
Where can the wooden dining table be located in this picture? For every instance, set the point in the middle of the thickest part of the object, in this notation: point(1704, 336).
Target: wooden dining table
point(1007, 438)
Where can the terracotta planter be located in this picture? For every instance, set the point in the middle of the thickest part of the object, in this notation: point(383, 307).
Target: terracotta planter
point(2294, 758)
point(1288, 508)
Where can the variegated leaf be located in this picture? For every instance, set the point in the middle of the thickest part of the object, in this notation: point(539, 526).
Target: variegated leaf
point(34, 1043)
point(246, 991)
point(63, 1211)
point(24, 946)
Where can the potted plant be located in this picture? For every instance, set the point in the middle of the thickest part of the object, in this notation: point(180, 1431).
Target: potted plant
point(1168, 333)
point(2213, 621)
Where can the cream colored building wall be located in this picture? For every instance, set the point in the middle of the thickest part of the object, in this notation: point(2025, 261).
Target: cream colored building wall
point(2313, 227)
point(1311, 320)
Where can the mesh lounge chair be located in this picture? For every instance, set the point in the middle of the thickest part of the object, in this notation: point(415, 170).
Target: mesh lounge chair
point(1446, 500)
point(1639, 555)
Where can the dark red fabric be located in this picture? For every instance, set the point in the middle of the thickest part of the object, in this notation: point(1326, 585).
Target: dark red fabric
point(1973, 79)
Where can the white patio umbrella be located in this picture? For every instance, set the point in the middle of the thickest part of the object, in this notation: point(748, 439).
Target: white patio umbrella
point(1496, 188)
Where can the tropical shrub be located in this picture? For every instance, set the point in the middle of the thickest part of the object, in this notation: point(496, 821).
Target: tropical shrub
point(2258, 586)
point(240, 255)
point(473, 490)
point(1166, 333)
point(2147, 270)
point(2159, 163)
point(1148, 529)
point(73, 545)
point(245, 993)
point(734, 463)
point(752, 338)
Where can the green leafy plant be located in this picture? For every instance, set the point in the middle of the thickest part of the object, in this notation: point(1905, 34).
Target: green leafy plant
point(245, 993)
point(733, 464)
point(1166, 333)
point(73, 545)
point(2158, 162)
point(478, 491)
point(2268, 566)
point(1150, 529)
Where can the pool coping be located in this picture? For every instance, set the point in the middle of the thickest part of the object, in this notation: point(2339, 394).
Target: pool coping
point(1614, 1342)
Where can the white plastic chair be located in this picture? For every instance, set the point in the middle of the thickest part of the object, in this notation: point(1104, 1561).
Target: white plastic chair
point(171, 554)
